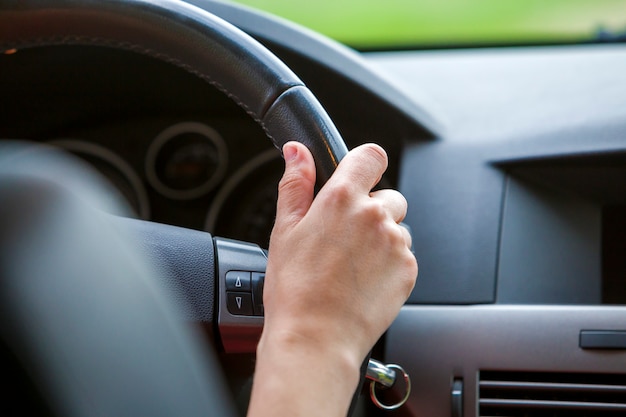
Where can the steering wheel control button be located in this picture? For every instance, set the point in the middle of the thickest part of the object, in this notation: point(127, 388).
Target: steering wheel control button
point(239, 303)
point(241, 271)
point(258, 280)
point(248, 287)
point(238, 281)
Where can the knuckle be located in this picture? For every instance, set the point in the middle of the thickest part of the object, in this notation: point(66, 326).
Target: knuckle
point(393, 235)
point(374, 212)
point(407, 236)
point(396, 236)
point(339, 194)
point(410, 264)
point(287, 181)
point(403, 202)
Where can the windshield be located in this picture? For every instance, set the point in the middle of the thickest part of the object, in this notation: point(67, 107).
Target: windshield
point(381, 24)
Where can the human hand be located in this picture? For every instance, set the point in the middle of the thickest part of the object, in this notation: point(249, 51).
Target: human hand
point(339, 270)
point(340, 266)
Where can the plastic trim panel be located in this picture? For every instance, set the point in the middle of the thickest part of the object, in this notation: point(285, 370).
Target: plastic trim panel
point(437, 344)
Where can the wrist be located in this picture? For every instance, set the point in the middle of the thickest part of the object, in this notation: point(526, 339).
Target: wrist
point(330, 356)
point(300, 375)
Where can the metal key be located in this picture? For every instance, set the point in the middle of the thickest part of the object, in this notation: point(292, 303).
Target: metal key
point(386, 375)
point(380, 373)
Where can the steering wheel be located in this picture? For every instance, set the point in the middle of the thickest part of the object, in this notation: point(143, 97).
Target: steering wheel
point(83, 316)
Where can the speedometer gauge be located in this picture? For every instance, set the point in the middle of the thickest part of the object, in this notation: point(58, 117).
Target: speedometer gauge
point(186, 161)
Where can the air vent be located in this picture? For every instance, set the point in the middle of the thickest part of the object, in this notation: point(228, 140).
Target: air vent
point(538, 394)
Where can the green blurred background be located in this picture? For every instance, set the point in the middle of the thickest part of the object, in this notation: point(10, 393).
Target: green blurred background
point(368, 24)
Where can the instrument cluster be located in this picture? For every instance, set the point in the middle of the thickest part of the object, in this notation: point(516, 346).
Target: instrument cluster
point(188, 173)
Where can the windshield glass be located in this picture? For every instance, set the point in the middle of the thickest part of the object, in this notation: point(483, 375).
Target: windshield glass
point(381, 24)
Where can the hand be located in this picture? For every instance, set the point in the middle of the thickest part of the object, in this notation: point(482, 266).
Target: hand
point(339, 270)
point(340, 266)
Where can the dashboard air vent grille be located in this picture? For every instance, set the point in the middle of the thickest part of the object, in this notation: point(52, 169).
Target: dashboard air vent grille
point(539, 394)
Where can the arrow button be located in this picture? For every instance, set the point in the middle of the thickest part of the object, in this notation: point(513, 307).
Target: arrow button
point(239, 303)
point(238, 281)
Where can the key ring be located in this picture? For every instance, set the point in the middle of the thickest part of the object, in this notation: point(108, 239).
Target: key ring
point(407, 381)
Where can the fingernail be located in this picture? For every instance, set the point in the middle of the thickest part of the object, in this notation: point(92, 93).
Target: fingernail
point(290, 152)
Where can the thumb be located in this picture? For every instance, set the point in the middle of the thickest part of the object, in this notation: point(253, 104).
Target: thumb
point(296, 188)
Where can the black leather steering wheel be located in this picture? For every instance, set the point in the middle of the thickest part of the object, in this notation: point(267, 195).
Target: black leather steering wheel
point(194, 40)
point(81, 312)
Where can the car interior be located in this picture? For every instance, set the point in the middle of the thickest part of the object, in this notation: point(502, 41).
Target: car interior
point(512, 160)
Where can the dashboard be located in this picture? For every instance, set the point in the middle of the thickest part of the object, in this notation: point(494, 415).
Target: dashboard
point(526, 164)
point(513, 161)
point(177, 150)
point(166, 140)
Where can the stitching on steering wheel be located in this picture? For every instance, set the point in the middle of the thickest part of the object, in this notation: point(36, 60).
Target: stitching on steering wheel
point(132, 47)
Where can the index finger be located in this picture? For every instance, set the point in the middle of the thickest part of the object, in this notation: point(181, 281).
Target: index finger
point(362, 167)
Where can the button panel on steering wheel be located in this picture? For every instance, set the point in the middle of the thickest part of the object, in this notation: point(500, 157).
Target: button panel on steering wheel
point(244, 293)
point(240, 281)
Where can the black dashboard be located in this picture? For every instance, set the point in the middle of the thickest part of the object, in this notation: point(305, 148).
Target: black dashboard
point(177, 149)
point(165, 139)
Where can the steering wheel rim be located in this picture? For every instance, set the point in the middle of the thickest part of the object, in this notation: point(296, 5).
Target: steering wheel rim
point(200, 43)
point(196, 41)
